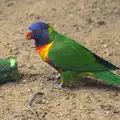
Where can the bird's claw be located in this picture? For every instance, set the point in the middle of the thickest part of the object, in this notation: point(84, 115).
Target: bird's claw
point(60, 85)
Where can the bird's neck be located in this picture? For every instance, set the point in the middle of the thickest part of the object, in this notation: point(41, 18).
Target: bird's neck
point(40, 47)
point(43, 51)
point(52, 37)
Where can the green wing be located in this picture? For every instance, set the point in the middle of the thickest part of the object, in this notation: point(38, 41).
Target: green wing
point(67, 54)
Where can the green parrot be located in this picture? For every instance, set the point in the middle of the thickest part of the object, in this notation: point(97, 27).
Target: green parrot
point(68, 57)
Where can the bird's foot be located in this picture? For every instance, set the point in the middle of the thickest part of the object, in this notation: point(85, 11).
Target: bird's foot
point(60, 85)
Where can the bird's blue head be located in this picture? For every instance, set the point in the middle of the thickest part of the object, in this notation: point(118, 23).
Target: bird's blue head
point(39, 32)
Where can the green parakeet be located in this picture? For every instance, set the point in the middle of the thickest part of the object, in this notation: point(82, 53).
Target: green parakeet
point(68, 57)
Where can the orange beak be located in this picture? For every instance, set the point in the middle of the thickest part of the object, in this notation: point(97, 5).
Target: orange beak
point(29, 35)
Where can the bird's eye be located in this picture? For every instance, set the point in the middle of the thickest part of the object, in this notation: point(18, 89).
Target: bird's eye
point(38, 30)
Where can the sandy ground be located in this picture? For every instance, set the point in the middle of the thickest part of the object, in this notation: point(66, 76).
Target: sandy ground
point(93, 23)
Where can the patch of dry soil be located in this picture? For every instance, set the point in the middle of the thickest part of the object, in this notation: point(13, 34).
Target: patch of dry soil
point(93, 23)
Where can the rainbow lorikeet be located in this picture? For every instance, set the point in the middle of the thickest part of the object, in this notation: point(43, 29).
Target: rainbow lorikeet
point(68, 57)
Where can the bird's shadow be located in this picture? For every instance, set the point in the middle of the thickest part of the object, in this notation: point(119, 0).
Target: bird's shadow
point(91, 83)
point(86, 83)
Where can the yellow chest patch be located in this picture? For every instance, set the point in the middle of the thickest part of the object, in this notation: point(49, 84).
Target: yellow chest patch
point(43, 51)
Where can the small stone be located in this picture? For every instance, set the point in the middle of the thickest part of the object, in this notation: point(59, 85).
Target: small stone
point(21, 31)
point(58, 115)
point(71, 15)
point(116, 111)
point(24, 81)
point(67, 98)
point(116, 43)
point(29, 90)
point(61, 114)
point(101, 22)
point(47, 102)
point(82, 7)
point(98, 9)
point(43, 101)
point(44, 2)
point(105, 46)
point(109, 54)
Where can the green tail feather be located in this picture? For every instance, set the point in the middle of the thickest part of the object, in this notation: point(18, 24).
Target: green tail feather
point(108, 76)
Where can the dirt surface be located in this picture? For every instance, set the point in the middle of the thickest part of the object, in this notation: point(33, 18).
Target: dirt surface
point(93, 23)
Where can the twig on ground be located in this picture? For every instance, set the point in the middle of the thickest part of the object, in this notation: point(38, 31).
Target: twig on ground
point(30, 104)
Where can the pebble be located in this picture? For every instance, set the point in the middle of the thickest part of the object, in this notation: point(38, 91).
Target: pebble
point(44, 2)
point(109, 54)
point(43, 101)
point(105, 46)
point(24, 81)
point(29, 90)
point(21, 30)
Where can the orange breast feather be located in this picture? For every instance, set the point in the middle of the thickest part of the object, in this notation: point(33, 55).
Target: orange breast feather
point(43, 51)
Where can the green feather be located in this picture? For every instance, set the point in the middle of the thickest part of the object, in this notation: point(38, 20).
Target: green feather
point(108, 76)
point(67, 54)
point(75, 59)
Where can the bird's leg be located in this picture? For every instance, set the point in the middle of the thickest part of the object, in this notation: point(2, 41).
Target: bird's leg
point(57, 76)
point(61, 84)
